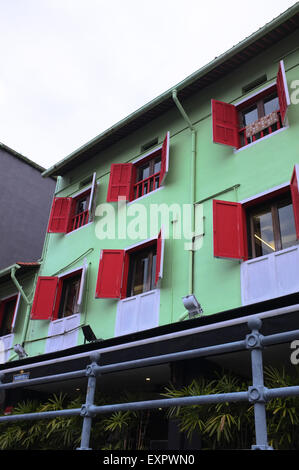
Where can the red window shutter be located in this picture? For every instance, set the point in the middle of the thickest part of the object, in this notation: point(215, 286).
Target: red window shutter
point(282, 92)
point(44, 298)
point(225, 124)
point(164, 159)
point(121, 181)
point(229, 230)
point(295, 196)
point(60, 215)
point(160, 257)
point(110, 274)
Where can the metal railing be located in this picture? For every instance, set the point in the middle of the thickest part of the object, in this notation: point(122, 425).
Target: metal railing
point(146, 185)
point(79, 220)
point(257, 394)
point(259, 135)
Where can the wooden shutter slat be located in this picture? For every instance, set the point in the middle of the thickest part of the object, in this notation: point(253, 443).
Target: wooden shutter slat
point(60, 215)
point(110, 274)
point(44, 298)
point(225, 124)
point(229, 230)
point(121, 182)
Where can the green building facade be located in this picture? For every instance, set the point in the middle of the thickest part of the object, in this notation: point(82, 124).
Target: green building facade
point(124, 249)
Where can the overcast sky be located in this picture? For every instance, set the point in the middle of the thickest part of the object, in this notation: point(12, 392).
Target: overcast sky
point(72, 68)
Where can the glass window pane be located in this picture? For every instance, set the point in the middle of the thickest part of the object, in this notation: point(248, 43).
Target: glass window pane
point(144, 172)
point(263, 233)
point(157, 165)
point(250, 116)
point(141, 275)
point(69, 296)
point(271, 105)
point(287, 225)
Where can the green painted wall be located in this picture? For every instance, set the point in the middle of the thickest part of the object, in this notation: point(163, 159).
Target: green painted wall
point(255, 169)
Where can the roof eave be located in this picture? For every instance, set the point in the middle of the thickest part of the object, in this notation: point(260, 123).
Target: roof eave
point(288, 14)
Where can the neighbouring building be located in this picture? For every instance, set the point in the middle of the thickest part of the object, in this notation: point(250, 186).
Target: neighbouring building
point(194, 196)
point(25, 203)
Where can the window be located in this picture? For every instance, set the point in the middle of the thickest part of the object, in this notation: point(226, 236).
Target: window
point(80, 214)
point(148, 176)
point(59, 296)
point(125, 273)
point(271, 227)
point(133, 180)
point(8, 313)
point(262, 226)
point(259, 119)
point(70, 213)
point(256, 117)
point(142, 269)
point(69, 296)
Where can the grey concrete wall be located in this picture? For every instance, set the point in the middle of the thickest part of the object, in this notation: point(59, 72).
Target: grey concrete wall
point(25, 202)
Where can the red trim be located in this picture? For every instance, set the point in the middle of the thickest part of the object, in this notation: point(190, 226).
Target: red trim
point(295, 196)
point(282, 91)
point(2, 307)
point(255, 98)
point(265, 197)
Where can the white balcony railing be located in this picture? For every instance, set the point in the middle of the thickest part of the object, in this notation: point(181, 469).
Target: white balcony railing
point(137, 313)
point(270, 276)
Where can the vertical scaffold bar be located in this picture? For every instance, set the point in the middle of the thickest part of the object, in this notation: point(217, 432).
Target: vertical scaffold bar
point(86, 412)
point(257, 390)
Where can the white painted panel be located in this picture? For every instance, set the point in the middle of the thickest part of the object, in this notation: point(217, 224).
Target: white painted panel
point(71, 325)
point(63, 333)
point(287, 270)
point(270, 276)
point(149, 310)
point(6, 345)
point(257, 279)
point(127, 316)
point(55, 336)
point(138, 313)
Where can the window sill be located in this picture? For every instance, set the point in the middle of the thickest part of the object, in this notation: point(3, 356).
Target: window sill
point(145, 195)
point(261, 139)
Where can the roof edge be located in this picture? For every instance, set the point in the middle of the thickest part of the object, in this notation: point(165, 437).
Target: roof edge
point(179, 86)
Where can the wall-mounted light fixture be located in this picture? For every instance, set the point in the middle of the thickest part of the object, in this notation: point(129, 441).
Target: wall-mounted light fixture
point(89, 334)
point(192, 305)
